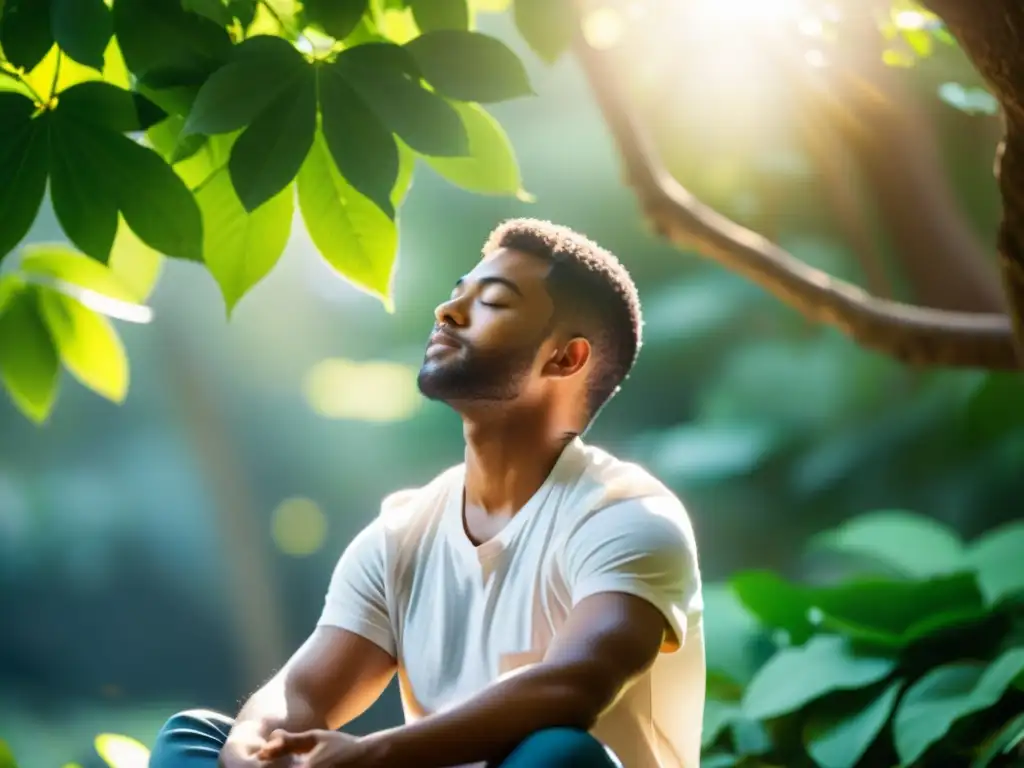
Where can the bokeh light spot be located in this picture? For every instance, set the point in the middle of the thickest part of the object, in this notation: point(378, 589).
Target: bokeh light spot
point(603, 28)
point(298, 527)
point(375, 391)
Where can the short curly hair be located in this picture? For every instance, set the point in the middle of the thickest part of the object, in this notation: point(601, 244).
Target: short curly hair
point(593, 294)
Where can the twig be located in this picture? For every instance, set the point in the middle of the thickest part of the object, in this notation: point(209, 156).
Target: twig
point(909, 333)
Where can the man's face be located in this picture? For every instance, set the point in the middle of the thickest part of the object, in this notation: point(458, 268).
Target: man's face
point(488, 335)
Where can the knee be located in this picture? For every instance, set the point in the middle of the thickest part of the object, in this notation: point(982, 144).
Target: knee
point(192, 732)
point(568, 747)
point(197, 721)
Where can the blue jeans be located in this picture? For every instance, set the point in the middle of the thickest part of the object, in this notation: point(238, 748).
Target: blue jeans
point(193, 739)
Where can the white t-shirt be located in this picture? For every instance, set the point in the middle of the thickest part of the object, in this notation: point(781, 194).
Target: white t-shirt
point(458, 616)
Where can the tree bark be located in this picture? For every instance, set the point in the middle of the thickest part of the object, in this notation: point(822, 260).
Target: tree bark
point(991, 33)
point(908, 333)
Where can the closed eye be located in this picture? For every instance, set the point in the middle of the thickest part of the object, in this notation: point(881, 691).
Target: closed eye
point(493, 305)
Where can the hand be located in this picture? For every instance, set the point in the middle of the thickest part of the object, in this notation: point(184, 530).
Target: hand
point(321, 749)
point(244, 753)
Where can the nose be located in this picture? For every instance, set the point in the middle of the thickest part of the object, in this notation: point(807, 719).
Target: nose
point(451, 313)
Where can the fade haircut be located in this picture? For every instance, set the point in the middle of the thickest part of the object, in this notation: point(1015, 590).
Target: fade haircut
point(593, 294)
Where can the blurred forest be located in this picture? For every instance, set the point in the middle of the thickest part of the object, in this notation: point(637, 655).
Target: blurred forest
point(172, 551)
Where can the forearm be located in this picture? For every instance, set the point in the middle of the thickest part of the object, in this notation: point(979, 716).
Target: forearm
point(492, 723)
point(272, 707)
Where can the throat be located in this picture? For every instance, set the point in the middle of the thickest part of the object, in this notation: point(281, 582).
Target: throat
point(481, 526)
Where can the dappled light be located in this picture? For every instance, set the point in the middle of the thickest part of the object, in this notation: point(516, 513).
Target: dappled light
point(224, 229)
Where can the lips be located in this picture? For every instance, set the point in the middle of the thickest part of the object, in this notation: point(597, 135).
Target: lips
point(442, 339)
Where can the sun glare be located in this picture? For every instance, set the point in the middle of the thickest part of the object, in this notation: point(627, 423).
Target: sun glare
point(747, 11)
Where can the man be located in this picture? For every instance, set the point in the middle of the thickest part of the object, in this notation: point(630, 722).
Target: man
point(540, 602)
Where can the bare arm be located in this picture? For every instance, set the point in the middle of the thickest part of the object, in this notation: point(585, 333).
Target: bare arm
point(331, 679)
point(608, 640)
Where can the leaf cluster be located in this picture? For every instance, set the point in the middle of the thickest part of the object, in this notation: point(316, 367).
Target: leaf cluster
point(199, 129)
point(915, 660)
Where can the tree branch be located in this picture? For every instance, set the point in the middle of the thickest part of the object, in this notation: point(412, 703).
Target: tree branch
point(908, 333)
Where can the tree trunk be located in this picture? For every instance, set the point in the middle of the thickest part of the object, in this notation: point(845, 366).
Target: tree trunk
point(991, 33)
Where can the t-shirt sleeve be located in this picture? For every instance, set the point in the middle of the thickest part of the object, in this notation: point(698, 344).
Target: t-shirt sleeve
point(357, 597)
point(643, 547)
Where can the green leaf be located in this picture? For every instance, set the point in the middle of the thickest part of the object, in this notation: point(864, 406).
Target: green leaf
point(885, 612)
point(719, 761)
point(546, 26)
point(431, 15)
point(840, 742)
point(262, 69)
point(121, 751)
point(1003, 742)
point(385, 76)
point(24, 156)
point(82, 28)
point(133, 263)
point(10, 286)
point(243, 10)
point(270, 152)
point(88, 344)
point(362, 148)
point(470, 66)
point(718, 716)
point(406, 169)
point(214, 10)
point(950, 693)
point(912, 544)
point(996, 408)
point(25, 32)
point(749, 737)
point(736, 644)
point(64, 264)
point(973, 101)
point(996, 557)
point(168, 139)
point(491, 167)
point(351, 231)
point(338, 18)
point(85, 207)
point(106, 105)
point(799, 675)
point(241, 248)
point(99, 173)
point(160, 38)
point(6, 756)
point(28, 359)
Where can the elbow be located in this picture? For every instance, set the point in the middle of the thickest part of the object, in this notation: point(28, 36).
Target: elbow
point(582, 695)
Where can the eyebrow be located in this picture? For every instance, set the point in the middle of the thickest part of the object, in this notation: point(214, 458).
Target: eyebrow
point(493, 280)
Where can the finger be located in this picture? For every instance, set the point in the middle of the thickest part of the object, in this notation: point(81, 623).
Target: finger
point(284, 743)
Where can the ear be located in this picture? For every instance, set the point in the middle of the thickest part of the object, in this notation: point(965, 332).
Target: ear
point(569, 358)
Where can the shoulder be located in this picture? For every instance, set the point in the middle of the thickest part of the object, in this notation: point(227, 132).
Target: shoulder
point(620, 500)
point(403, 517)
point(404, 507)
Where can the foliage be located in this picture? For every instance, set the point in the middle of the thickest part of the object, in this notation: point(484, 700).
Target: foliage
point(116, 750)
point(121, 751)
point(190, 128)
point(916, 657)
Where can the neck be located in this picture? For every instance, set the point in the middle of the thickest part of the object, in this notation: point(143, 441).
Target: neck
point(508, 457)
